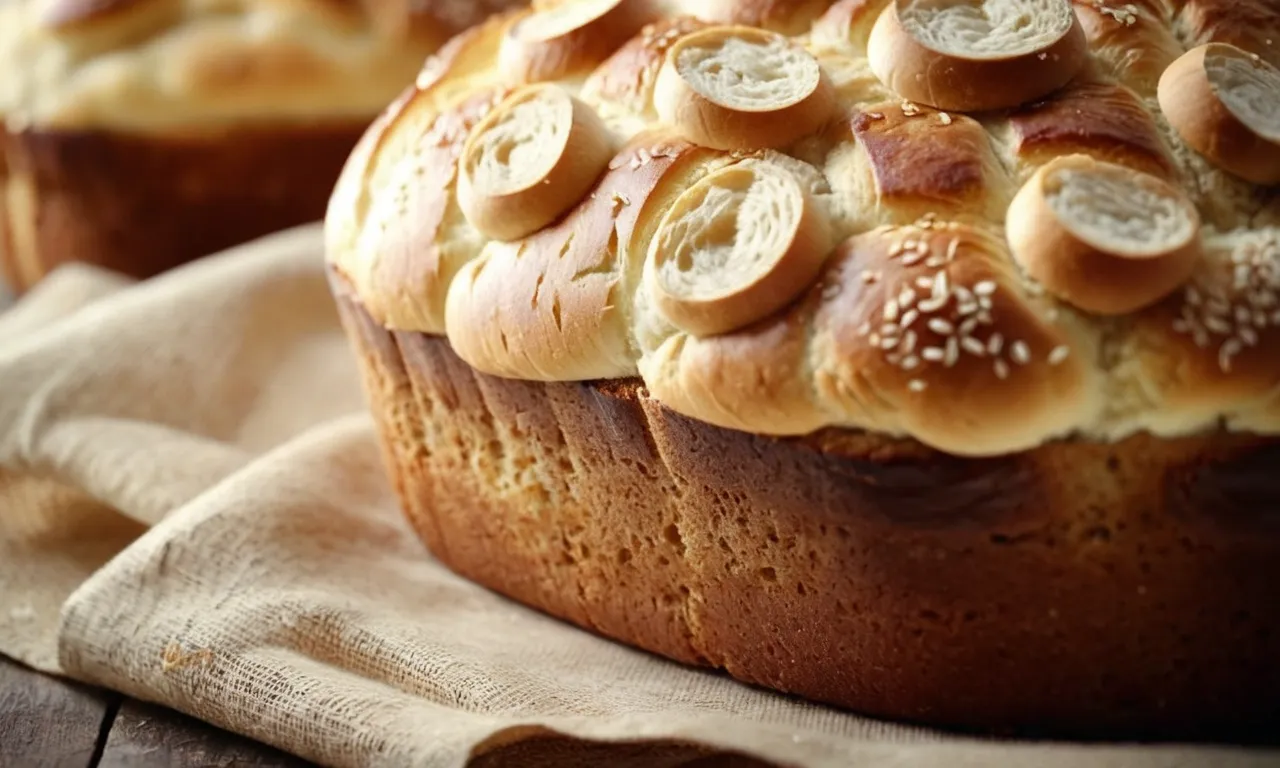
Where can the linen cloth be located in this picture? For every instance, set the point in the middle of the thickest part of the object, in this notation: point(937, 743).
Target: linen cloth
point(193, 512)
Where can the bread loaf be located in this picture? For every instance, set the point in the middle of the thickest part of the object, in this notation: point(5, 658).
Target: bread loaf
point(892, 348)
point(142, 133)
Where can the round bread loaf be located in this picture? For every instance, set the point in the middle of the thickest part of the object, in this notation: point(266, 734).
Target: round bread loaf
point(139, 134)
point(916, 356)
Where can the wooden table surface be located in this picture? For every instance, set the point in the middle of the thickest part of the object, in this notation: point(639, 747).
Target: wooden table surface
point(48, 723)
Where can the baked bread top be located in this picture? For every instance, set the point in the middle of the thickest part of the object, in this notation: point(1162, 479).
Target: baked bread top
point(982, 223)
point(166, 65)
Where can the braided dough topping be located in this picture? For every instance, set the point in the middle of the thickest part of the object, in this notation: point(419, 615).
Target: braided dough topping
point(979, 224)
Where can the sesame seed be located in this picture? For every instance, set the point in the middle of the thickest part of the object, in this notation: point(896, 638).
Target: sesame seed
point(934, 354)
point(933, 304)
point(909, 317)
point(909, 109)
point(1020, 353)
point(864, 329)
point(891, 309)
point(995, 344)
point(952, 248)
point(890, 329)
point(925, 282)
point(907, 297)
point(916, 385)
point(940, 286)
point(941, 327)
point(973, 346)
point(875, 115)
point(944, 118)
point(909, 342)
point(1059, 355)
point(889, 342)
point(1217, 325)
point(985, 288)
point(910, 363)
point(1229, 349)
point(952, 352)
point(1001, 368)
point(913, 258)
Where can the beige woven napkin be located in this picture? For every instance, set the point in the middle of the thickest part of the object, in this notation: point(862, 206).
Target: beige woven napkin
point(192, 511)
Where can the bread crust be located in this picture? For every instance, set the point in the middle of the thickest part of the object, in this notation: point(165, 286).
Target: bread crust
point(62, 197)
point(1196, 108)
point(706, 118)
point(1078, 589)
point(1097, 277)
point(570, 301)
point(953, 82)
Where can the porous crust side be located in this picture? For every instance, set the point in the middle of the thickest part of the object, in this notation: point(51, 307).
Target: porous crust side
point(141, 204)
point(1077, 589)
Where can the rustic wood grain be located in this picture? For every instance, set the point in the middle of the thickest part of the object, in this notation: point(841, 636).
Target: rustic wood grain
point(147, 736)
point(48, 723)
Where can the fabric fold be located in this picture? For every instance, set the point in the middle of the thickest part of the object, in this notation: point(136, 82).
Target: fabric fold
point(193, 511)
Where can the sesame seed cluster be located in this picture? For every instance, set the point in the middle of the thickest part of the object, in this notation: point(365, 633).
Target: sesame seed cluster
point(923, 318)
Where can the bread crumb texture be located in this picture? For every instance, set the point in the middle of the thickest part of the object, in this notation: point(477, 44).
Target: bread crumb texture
point(981, 224)
point(153, 66)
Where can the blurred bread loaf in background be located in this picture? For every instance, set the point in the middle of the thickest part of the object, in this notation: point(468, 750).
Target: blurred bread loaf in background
point(140, 134)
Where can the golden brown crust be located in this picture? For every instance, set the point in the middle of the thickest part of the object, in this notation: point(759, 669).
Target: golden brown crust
point(627, 77)
point(1079, 589)
point(1100, 269)
point(548, 306)
point(1253, 25)
point(1197, 105)
point(570, 39)
point(893, 327)
point(879, 163)
point(534, 156)
point(925, 73)
point(929, 162)
point(1103, 120)
point(61, 197)
point(790, 17)
point(691, 96)
point(1131, 41)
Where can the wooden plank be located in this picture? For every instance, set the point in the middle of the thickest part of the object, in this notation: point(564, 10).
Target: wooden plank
point(48, 723)
point(147, 736)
